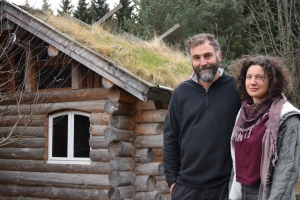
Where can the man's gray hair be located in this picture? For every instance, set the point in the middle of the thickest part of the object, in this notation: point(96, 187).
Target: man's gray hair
point(201, 39)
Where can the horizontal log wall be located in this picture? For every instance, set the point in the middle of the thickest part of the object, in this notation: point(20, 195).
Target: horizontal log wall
point(136, 143)
point(56, 96)
point(48, 191)
point(149, 119)
point(92, 181)
point(24, 169)
point(126, 150)
point(43, 166)
point(45, 108)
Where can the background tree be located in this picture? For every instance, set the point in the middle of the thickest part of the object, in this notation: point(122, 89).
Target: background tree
point(274, 29)
point(124, 14)
point(46, 6)
point(156, 17)
point(224, 19)
point(81, 11)
point(66, 7)
point(97, 10)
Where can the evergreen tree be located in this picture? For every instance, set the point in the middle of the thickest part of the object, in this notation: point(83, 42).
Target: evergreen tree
point(81, 11)
point(156, 17)
point(46, 6)
point(224, 19)
point(125, 13)
point(97, 10)
point(66, 7)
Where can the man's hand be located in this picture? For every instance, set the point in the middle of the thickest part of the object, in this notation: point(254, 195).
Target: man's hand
point(171, 188)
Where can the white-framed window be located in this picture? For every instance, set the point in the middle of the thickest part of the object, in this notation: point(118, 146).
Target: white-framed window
point(69, 138)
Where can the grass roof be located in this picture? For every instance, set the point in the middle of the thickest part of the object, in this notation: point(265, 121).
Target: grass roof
point(152, 61)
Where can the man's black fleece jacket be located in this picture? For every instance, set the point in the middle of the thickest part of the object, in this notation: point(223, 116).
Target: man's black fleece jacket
point(197, 133)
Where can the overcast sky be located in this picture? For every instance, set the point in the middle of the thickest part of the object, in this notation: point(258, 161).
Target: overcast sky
point(55, 3)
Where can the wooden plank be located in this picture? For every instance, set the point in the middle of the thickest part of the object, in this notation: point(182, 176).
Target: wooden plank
point(28, 120)
point(82, 77)
point(150, 116)
point(162, 187)
point(45, 108)
point(29, 79)
point(150, 105)
point(29, 131)
point(110, 13)
point(169, 31)
point(122, 122)
point(90, 79)
point(101, 155)
point(144, 155)
point(149, 129)
point(148, 195)
point(75, 75)
point(113, 134)
point(121, 163)
point(121, 192)
point(121, 149)
point(166, 196)
point(48, 191)
point(145, 105)
point(93, 181)
point(43, 166)
point(98, 142)
point(117, 178)
point(99, 118)
point(97, 130)
point(117, 108)
point(148, 141)
point(25, 143)
point(160, 178)
point(25, 198)
point(56, 96)
point(158, 159)
point(158, 151)
point(97, 80)
point(120, 95)
point(154, 169)
point(24, 153)
point(144, 183)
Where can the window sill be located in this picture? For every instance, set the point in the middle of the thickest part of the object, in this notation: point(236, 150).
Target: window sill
point(75, 162)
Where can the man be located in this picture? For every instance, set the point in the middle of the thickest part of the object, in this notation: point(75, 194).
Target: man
point(198, 126)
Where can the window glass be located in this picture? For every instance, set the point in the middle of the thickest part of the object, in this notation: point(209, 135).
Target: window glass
point(54, 77)
point(81, 136)
point(60, 136)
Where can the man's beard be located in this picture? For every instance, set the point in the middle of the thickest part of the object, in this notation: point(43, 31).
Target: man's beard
point(207, 76)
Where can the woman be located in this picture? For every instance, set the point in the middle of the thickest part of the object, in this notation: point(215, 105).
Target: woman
point(266, 137)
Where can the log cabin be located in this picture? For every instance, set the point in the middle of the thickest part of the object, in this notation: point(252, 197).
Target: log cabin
point(74, 124)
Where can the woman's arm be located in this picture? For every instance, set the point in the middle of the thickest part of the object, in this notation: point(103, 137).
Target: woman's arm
point(285, 175)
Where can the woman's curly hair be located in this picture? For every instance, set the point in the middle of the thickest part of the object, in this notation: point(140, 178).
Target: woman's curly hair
point(274, 68)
